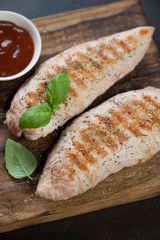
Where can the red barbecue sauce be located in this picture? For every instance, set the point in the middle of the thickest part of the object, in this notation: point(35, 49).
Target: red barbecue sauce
point(16, 48)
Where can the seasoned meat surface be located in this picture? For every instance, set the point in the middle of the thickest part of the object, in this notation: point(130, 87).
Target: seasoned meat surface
point(121, 132)
point(92, 67)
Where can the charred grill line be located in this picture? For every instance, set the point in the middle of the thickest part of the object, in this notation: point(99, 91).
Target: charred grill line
point(112, 127)
point(148, 112)
point(129, 126)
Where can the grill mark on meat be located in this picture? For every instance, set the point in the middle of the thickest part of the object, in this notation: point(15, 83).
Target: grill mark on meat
point(93, 65)
point(98, 53)
point(72, 75)
point(73, 92)
point(114, 52)
point(75, 158)
point(105, 48)
point(59, 69)
point(88, 74)
point(151, 101)
point(150, 114)
point(38, 96)
point(101, 132)
point(131, 39)
point(74, 78)
point(123, 45)
point(32, 99)
point(102, 46)
point(78, 67)
point(88, 138)
point(133, 114)
point(123, 120)
point(112, 126)
point(85, 148)
point(143, 32)
point(84, 151)
point(58, 173)
point(41, 90)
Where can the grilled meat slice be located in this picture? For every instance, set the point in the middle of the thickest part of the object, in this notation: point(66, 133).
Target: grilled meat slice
point(92, 67)
point(121, 132)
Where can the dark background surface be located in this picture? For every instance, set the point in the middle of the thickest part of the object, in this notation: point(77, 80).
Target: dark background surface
point(134, 221)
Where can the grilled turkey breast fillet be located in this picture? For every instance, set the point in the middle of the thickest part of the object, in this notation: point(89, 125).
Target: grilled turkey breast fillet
point(121, 132)
point(92, 67)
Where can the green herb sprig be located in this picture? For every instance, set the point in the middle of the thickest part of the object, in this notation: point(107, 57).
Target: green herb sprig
point(40, 115)
point(20, 162)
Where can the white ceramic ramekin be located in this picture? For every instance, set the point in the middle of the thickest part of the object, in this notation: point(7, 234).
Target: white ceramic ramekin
point(28, 25)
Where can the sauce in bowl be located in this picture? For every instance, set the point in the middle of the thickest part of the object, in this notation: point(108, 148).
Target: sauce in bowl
point(16, 48)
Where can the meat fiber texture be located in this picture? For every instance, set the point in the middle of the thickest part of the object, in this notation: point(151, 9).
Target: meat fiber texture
point(121, 132)
point(92, 67)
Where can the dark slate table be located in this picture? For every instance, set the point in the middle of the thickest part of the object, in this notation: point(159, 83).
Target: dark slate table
point(134, 221)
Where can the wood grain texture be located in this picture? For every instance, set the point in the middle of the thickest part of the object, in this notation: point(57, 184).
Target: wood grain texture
point(18, 204)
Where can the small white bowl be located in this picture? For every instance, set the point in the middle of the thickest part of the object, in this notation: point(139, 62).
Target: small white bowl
point(28, 25)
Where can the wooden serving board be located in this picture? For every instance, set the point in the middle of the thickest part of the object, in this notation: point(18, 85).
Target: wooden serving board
point(19, 206)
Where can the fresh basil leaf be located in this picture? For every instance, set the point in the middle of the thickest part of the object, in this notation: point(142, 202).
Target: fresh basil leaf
point(47, 105)
point(20, 162)
point(35, 117)
point(55, 108)
point(58, 89)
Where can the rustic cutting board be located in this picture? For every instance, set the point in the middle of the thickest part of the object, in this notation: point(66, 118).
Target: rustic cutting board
point(18, 204)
